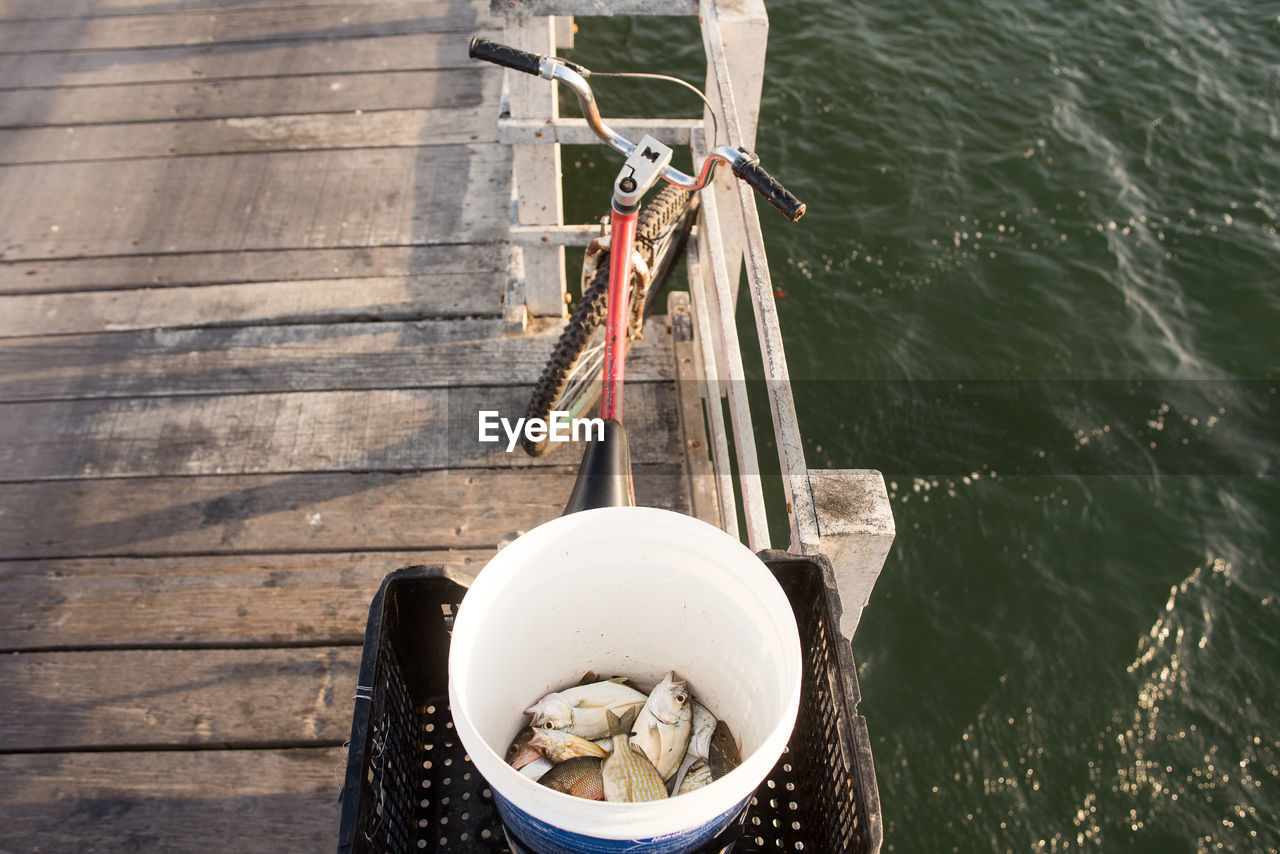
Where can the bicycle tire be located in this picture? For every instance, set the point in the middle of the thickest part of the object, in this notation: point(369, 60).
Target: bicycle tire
point(570, 382)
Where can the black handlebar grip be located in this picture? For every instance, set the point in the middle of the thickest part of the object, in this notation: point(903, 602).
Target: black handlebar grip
point(766, 185)
point(505, 55)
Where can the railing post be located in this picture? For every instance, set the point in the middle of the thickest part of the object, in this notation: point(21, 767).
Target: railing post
point(536, 167)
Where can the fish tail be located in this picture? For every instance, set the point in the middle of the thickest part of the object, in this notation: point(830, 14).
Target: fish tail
point(621, 724)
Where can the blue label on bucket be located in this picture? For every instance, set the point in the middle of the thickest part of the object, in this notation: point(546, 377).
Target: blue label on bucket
point(546, 838)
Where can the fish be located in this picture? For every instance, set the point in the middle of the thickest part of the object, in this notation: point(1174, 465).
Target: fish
point(725, 753)
point(580, 710)
point(580, 776)
point(704, 723)
point(559, 746)
point(535, 769)
point(628, 774)
point(698, 775)
point(521, 752)
point(664, 725)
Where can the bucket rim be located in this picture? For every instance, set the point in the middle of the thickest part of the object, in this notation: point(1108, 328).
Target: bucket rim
point(625, 821)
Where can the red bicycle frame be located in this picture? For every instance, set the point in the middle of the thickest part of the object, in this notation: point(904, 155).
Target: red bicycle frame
point(622, 240)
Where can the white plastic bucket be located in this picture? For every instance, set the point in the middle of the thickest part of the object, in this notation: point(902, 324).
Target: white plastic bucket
point(638, 592)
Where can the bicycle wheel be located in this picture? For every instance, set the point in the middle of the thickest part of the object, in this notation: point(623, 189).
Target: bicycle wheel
point(571, 380)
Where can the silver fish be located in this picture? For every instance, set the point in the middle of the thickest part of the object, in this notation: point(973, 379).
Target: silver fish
point(663, 727)
point(698, 775)
point(704, 723)
point(628, 774)
point(580, 710)
point(558, 745)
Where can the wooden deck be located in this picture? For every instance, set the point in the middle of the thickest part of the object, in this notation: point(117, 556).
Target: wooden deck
point(252, 263)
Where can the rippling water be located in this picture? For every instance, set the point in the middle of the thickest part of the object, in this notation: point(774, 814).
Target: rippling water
point(1037, 287)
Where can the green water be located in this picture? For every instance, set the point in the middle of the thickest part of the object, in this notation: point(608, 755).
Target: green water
point(1037, 288)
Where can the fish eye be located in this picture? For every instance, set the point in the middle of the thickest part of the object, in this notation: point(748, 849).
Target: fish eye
point(548, 725)
point(681, 697)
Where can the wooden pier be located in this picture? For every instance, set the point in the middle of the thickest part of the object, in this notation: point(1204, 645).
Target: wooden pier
point(256, 283)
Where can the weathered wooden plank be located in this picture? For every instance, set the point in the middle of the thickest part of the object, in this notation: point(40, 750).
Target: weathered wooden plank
point(183, 802)
point(419, 51)
point(383, 129)
point(301, 512)
point(162, 698)
point(693, 423)
point(400, 430)
point(324, 301)
point(602, 7)
point(247, 99)
point(241, 25)
point(49, 9)
point(361, 197)
point(424, 354)
point(273, 265)
point(254, 600)
point(539, 194)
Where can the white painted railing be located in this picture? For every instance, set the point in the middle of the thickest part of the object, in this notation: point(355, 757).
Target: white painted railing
point(844, 514)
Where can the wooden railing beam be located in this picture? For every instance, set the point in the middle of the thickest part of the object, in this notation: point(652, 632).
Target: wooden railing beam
point(720, 306)
point(799, 497)
point(741, 31)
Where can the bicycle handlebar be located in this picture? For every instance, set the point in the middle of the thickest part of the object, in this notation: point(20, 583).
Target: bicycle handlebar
point(750, 170)
point(505, 55)
point(744, 164)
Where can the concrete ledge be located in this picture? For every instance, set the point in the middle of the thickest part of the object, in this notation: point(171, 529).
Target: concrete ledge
point(856, 529)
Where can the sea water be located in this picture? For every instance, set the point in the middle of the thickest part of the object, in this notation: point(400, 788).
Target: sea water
point(1038, 287)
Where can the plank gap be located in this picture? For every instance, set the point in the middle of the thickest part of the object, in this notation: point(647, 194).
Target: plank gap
point(166, 747)
point(195, 646)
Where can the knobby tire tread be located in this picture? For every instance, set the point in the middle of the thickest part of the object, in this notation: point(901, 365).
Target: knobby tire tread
point(666, 208)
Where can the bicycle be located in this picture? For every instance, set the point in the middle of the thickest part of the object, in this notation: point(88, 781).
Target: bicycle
point(623, 274)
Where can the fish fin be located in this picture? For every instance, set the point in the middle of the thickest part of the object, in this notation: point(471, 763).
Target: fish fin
point(614, 724)
point(620, 724)
point(588, 677)
point(626, 682)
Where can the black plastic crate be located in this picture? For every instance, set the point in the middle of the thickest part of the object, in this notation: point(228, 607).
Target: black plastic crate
point(410, 786)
